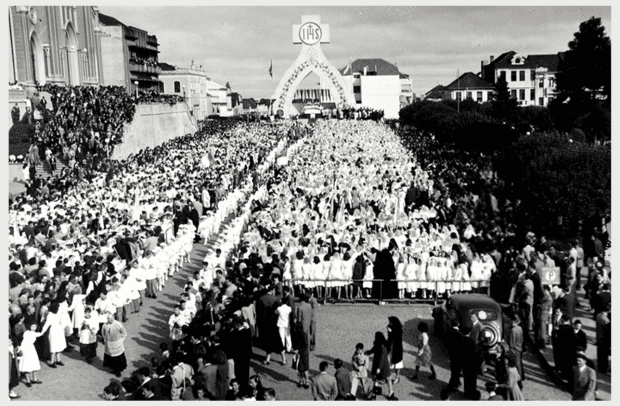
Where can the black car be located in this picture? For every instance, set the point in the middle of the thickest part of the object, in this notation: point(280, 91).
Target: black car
point(460, 307)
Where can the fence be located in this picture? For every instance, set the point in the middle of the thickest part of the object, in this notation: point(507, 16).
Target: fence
point(325, 282)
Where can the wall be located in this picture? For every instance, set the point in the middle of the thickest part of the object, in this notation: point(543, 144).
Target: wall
point(113, 61)
point(381, 93)
point(153, 125)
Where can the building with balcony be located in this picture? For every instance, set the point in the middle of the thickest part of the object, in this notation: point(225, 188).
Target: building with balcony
point(54, 44)
point(530, 78)
point(376, 84)
point(130, 56)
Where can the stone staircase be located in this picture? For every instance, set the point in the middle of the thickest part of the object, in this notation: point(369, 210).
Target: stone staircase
point(44, 171)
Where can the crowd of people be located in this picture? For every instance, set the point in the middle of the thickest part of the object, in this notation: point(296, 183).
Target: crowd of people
point(354, 212)
point(107, 242)
point(84, 120)
point(153, 96)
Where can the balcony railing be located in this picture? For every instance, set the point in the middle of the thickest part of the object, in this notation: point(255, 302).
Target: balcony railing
point(138, 67)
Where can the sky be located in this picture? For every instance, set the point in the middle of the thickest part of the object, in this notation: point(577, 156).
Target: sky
point(429, 43)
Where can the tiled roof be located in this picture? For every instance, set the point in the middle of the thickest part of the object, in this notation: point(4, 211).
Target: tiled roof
point(166, 66)
point(549, 61)
point(469, 80)
point(107, 20)
point(381, 66)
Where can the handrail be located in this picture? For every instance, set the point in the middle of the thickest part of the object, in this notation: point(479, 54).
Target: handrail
point(291, 282)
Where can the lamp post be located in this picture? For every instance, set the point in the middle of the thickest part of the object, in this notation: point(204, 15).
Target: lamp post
point(136, 83)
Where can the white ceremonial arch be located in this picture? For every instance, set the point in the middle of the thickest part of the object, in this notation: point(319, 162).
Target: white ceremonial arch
point(310, 34)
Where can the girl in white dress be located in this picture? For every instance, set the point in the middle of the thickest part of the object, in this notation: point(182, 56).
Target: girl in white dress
point(369, 275)
point(422, 274)
point(488, 269)
point(466, 285)
point(306, 273)
point(431, 274)
point(457, 277)
point(442, 275)
point(411, 271)
point(30, 359)
point(296, 270)
point(335, 273)
point(347, 273)
point(317, 277)
point(57, 341)
point(400, 276)
point(476, 272)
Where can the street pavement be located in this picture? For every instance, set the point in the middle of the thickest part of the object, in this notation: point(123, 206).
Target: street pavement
point(584, 314)
point(340, 328)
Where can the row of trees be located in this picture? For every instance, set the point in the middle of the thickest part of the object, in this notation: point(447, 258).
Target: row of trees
point(583, 101)
point(544, 155)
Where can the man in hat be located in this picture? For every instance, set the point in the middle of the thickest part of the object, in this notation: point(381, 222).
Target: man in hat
point(515, 343)
point(584, 379)
point(564, 347)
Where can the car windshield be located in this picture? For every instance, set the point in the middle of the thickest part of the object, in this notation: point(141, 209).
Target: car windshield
point(484, 314)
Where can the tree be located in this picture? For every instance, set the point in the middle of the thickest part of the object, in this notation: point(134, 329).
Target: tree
point(584, 71)
point(504, 106)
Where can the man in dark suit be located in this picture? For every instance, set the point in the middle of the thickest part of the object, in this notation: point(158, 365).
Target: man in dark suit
point(602, 299)
point(149, 391)
point(154, 386)
point(454, 340)
point(566, 304)
point(515, 343)
point(581, 339)
point(477, 336)
point(240, 350)
point(303, 315)
point(564, 348)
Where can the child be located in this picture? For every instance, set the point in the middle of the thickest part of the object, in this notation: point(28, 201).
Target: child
point(30, 361)
point(88, 336)
point(360, 370)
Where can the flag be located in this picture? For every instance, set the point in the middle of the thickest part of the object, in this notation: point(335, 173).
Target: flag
point(349, 68)
point(271, 69)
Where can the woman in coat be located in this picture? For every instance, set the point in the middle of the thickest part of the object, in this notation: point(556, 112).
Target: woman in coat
point(381, 364)
point(395, 345)
point(513, 390)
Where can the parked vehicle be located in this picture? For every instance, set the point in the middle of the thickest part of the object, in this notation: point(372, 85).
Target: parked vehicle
point(460, 307)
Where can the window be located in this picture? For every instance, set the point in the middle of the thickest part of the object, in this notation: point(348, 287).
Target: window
point(469, 96)
point(356, 75)
point(541, 83)
point(521, 75)
point(533, 74)
point(479, 97)
point(177, 87)
point(502, 74)
point(541, 101)
point(513, 76)
point(518, 60)
point(532, 94)
point(521, 94)
point(545, 92)
point(357, 89)
point(513, 94)
point(458, 95)
point(551, 83)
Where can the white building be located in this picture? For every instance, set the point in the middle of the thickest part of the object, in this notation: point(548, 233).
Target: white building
point(531, 78)
point(468, 86)
point(376, 84)
point(204, 96)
